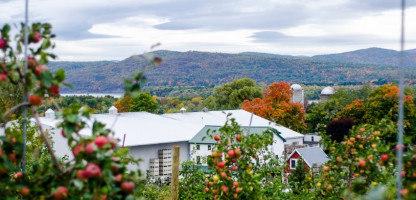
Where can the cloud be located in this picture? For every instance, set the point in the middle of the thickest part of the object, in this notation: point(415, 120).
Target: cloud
point(215, 25)
point(330, 40)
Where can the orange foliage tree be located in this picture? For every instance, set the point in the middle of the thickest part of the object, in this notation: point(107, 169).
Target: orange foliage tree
point(276, 106)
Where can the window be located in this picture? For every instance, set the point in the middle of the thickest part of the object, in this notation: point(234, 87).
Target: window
point(312, 138)
point(293, 163)
point(295, 143)
point(209, 147)
point(197, 147)
point(198, 160)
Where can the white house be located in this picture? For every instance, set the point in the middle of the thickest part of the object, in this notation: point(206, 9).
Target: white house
point(147, 134)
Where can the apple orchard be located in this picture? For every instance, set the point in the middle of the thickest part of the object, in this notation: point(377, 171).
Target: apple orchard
point(362, 165)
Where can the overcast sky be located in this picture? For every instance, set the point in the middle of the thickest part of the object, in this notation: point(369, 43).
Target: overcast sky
point(116, 29)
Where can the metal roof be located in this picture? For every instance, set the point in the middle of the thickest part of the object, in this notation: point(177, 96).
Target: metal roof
point(142, 128)
point(202, 138)
point(312, 155)
point(242, 117)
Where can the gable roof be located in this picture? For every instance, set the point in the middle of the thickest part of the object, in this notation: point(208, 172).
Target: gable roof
point(143, 128)
point(312, 155)
point(202, 138)
point(242, 117)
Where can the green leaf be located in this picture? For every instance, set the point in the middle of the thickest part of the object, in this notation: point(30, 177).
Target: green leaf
point(60, 75)
point(5, 30)
point(46, 79)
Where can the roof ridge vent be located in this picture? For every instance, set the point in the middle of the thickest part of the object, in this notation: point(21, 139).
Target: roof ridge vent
point(50, 114)
point(113, 110)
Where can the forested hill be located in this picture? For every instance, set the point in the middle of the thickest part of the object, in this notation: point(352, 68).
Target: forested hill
point(376, 56)
point(210, 69)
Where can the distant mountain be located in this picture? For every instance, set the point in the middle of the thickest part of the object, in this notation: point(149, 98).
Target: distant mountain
point(194, 68)
point(373, 55)
point(411, 51)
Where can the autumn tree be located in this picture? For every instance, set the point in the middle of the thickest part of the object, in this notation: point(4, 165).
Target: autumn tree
point(276, 105)
point(231, 95)
point(143, 102)
point(382, 104)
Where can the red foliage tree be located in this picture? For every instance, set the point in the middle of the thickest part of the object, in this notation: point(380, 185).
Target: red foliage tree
point(276, 105)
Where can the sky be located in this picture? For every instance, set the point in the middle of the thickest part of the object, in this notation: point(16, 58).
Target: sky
point(90, 30)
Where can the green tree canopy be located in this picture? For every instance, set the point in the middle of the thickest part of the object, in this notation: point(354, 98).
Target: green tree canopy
point(231, 95)
point(143, 102)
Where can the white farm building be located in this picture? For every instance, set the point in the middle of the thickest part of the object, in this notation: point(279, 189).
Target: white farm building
point(152, 136)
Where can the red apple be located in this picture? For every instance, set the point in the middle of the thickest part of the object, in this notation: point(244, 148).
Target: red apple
point(221, 165)
point(206, 189)
point(79, 148)
point(214, 154)
point(384, 157)
point(86, 174)
point(234, 168)
point(238, 138)
point(235, 183)
point(17, 175)
point(80, 174)
point(1, 151)
point(54, 90)
point(90, 148)
point(24, 191)
point(237, 153)
point(118, 178)
point(219, 155)
point(63, 133)
point(31, 62)
point(217, 137)
point(210, 183)
point(231, 153)
point(37, 37)
point(100, 141)
point(3, 77)
point(362, 163)
point(2, 43)
point(38, 70)
point(60, 193)
point(224, 189)
point(93, 169)
point(223, 174)
point(403, 173)
point(127, 187)
point(35, 99)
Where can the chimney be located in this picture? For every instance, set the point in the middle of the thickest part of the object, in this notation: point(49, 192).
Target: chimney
point(112, 110)
point(183, 110)
point(50, 114)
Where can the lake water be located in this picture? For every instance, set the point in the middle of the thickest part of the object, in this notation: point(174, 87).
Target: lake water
point(116, 95)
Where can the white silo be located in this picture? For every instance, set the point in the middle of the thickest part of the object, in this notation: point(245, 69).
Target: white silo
point(297, 93)
point(326, 93)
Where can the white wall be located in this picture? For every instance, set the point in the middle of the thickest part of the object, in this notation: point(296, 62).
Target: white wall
point(308, 138)
point(147, 152)
point(290, 141)
point(203, 152)
point(278, 146)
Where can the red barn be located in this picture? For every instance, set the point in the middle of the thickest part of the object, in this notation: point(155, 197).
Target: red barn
point(313, 157)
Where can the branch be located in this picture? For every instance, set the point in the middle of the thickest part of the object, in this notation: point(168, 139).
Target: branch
point(13, 109)
point(45, 139)
point(56, 105)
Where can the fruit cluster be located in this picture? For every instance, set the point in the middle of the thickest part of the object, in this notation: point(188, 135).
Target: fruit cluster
point(234, 161)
